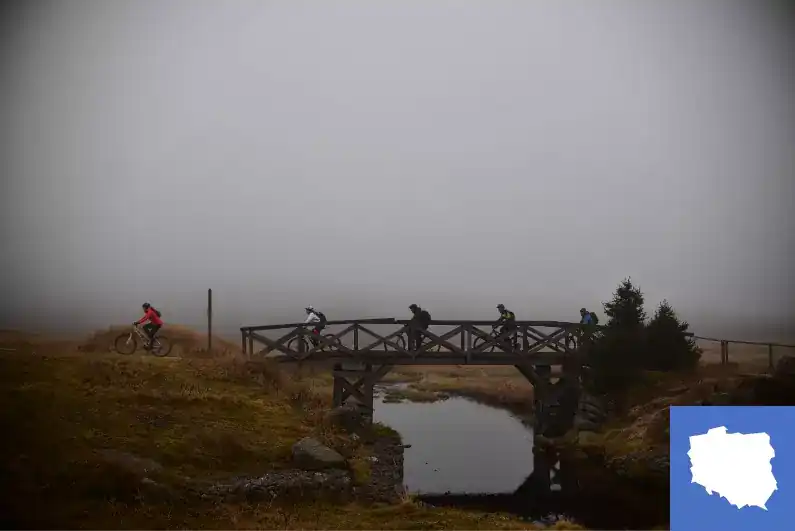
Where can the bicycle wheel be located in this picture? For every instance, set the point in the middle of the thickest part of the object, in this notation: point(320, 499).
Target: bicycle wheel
point(335, 342)
point(295, 344)
point(126, 343)
point(162, 346)
point(399, 340)
point(478, 341)
point(433, 348)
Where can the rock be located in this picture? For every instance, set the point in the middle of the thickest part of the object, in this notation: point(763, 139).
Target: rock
point(289, 484)
point(582, 424)
point(311, 454)
point(592, 407)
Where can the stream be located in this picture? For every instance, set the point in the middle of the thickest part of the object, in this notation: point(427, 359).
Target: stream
point(466, 454)
point(472, 456)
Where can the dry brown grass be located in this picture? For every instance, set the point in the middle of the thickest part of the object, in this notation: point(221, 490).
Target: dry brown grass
point(498, 386)
point(749, 356)
point(644, 429)
point(197, 418)
point(187, 343)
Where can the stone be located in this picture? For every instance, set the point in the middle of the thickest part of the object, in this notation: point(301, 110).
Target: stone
point(311, 454)
point(287, 484)
point(583, 424)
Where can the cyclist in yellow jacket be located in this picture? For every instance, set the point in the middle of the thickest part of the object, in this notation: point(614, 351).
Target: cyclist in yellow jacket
point(506, 324)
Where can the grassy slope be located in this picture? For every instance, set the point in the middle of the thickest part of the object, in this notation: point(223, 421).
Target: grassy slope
point(642, 434)
point(201, 418)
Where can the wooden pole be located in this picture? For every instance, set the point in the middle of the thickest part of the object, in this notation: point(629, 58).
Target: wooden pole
point(209, 319)
point(770, 357)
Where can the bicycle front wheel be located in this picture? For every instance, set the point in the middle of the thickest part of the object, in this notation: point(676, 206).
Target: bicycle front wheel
point(162, 346)
point(125, 344)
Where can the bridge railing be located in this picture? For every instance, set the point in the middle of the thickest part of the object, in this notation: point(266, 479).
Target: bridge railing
point(464, 340)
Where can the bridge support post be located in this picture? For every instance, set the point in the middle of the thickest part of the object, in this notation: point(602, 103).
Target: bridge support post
point(554, 403)
point(336, 397)
point(541, 399)
point(357, 384)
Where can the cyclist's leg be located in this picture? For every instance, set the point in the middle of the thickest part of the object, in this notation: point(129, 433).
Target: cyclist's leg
point(415, 339)
point(510, 332)
point(501, 335)
point(155, 330)
point(151, 330)
point(421, 338)
point(315, 333)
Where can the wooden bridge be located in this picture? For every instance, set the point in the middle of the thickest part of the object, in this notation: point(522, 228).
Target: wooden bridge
point(361, 356)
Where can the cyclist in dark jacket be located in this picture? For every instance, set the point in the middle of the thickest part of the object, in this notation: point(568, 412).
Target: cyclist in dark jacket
point(506, 323)
point(420, 321)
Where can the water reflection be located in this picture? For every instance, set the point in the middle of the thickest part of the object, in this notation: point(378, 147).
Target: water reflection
point(468, 455)
point(460, 446)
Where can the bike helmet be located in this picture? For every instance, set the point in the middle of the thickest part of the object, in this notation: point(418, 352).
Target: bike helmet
point(310, 308)
point(146, 305)
point(500, 306)
point(583, 310)
point(413, 307)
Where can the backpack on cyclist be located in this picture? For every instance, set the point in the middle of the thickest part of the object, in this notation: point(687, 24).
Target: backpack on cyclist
point(424, 319)
point(594, 319)
point(322, 317)
point(157, 312)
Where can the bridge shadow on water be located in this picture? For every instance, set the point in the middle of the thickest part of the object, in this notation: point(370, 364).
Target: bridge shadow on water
point(554, 490)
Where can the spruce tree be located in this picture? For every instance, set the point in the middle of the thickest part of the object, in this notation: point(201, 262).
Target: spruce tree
point(616, 355)
point(668, 348)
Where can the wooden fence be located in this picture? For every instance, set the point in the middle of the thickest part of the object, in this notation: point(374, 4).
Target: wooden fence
point(755, 353)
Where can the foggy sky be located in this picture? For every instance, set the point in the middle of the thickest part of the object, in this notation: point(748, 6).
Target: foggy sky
point(361, 156)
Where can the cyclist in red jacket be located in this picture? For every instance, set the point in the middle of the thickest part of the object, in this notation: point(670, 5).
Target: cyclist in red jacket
point(154, 323)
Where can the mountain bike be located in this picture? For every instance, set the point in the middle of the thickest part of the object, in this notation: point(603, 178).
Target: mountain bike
point(128, 343)
point(295, 343)
point(495, 334)
point(402, 341)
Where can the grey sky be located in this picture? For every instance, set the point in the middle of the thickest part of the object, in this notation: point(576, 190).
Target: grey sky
point(360, 156)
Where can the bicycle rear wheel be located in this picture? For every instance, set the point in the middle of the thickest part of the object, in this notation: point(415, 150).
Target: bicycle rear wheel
point(125, 344)
point(436, 347)
point(162, 346)
point(335, 342)
point(295, 344)
point(478, 341)
point(399, 340)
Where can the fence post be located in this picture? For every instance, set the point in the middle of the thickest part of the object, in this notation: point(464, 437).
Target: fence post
point(770, 356)
point(209, 320)
point(243, 342)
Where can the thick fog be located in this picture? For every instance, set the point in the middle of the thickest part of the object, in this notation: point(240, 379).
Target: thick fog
point(360, 156)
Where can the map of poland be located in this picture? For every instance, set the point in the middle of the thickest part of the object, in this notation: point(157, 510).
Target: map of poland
point(735, 465)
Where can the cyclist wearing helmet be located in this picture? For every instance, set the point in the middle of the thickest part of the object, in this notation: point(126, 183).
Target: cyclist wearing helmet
point(585, 317)
point(420, 321)
point(153, 323)
point(318, 319)
point(506, 323)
